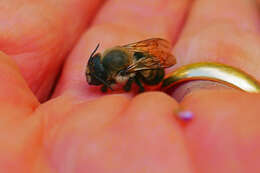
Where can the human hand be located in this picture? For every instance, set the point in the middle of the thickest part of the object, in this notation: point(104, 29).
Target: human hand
point(80, 131)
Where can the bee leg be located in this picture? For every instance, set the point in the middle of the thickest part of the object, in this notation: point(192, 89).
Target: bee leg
point(104, 88)
point(128, 85)
point(139, 83)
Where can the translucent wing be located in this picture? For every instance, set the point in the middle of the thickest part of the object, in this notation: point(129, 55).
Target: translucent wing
point(158, 54)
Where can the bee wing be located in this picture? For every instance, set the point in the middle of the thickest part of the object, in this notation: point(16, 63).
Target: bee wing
point(146, 63)
point(159, 54)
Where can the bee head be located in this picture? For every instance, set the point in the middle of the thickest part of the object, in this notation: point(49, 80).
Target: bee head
point(95, 72)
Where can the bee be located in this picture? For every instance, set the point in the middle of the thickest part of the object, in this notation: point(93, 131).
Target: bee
point(142, 63)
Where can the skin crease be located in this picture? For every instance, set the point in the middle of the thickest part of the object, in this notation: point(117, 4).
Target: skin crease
point(39, 34)
point(77, 127)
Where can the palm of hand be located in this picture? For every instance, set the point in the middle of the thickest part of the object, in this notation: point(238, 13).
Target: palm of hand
point(76, 132)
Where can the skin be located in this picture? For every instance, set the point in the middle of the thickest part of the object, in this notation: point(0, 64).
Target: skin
point(81, 129)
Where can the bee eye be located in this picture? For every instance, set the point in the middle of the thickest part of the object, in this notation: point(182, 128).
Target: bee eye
point(96, 70)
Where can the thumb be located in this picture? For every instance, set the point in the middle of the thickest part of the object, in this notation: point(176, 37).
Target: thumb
point(20, 134)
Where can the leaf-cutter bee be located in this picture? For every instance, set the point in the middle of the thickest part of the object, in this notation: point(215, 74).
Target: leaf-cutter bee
point(142, 62)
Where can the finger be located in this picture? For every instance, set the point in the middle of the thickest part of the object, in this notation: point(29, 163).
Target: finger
point(147, 136)
point(133, 138)
point(225, 131)
point(16, 99)
point(92, 114)
point(22, 139)
point(67, 136)
point(19, 131)
point(120, 22)
point(40, 44)
point(225, 31)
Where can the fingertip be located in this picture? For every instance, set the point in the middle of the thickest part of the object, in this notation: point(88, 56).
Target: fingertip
point(225, 126)
point(148, 122)
point(155, 96)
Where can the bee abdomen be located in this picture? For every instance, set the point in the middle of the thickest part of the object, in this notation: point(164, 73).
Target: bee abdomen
point(152, 77)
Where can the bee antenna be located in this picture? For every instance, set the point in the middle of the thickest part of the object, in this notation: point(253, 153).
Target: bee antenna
point(101, 80)
point(94, 50)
